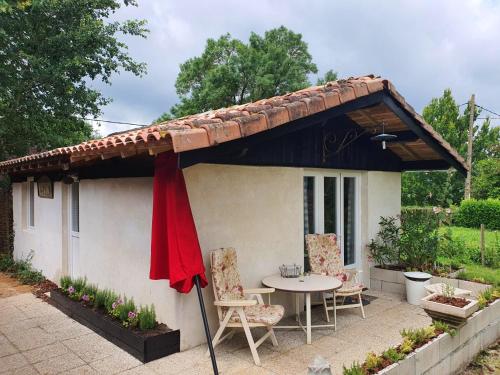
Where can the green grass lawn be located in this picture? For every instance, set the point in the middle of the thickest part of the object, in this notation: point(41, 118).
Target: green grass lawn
point(471, 238)
point(474, 272)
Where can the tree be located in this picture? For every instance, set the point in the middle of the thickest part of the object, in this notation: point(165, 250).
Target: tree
point(49, 53)
point(486, 179)
point(444, 188)
point(329, 76)
point(230, 72)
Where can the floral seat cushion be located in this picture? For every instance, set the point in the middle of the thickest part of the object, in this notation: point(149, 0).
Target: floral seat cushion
point(227, 287)
point(264, 314)
point(325, 258)
point(350, 287)
point(324, 255)
point(225, 275)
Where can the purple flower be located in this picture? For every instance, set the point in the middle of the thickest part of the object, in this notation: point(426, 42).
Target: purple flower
point(116, 303)
point(71, 290)
point(85, 298)
point(131, 315)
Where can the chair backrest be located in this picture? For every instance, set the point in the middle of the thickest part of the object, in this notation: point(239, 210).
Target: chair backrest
point(324, 254)
point(225, 275)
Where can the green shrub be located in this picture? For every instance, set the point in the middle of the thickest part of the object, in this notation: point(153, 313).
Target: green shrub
point(384, 249)
point(407, 346)
point(100, 298)
point(147, 317)
point(30, 276)
point(444, 327)
point(6, 262)
point(110, 298)
point(79, 284)
point(419, 238)
point(472, 213)
point(355, 369)
point(393, 355)
point(122, 309)
point(372, 361)
point(452, 248)
point(65, 282)
point(21, 269)
point(419, 336)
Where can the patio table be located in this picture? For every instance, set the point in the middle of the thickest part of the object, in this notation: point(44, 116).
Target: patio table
point(311, 284)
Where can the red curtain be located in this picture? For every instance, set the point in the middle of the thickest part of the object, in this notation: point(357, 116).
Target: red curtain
point(175, 250)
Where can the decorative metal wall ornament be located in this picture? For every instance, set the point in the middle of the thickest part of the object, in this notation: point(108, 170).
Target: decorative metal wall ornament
point(45, 187)
point(383, 137)
point(334, 143)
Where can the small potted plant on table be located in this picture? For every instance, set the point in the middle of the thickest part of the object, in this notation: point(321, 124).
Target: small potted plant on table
point(449, 308)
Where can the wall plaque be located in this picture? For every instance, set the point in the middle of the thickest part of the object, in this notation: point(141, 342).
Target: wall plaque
point(45, 187)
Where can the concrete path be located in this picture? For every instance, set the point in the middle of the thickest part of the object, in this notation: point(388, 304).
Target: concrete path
point(36, 338)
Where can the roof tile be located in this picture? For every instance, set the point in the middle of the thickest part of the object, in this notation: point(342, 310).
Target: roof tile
point(222, 132)
point(276, 116)
point(252, 124)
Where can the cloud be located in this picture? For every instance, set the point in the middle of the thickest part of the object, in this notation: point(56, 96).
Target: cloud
point(423, 47)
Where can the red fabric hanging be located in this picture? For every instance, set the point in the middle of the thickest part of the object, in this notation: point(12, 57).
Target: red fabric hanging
point(175, 250)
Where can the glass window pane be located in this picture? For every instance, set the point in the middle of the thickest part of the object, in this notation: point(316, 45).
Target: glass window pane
point(330, 204)
point(75, 207)
point(349, 220)
point(32, 204)
point(309, 224)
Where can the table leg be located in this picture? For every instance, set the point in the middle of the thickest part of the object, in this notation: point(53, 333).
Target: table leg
point(308, 317)
point(297, 304)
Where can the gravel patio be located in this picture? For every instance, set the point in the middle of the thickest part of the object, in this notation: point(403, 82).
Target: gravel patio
point(36, 338)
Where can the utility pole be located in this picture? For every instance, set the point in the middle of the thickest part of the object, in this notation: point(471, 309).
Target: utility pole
point(472, 110)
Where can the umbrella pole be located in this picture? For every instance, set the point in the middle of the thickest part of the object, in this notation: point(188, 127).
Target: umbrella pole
point(205, 323)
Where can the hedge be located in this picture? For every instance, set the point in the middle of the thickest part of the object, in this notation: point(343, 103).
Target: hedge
point(472, 213)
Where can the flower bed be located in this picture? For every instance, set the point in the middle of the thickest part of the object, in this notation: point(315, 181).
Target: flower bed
point(117, 319)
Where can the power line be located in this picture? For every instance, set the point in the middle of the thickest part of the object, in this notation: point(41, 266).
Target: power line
point(489, 110)
point(115, 122)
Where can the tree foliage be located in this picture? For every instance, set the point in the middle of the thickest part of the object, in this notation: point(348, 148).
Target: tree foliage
point(486, 180)
point(444, 188)
point(230, 72)
point(50, 52)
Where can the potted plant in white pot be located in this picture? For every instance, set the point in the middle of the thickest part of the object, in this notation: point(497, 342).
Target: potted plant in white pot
point(448, 307)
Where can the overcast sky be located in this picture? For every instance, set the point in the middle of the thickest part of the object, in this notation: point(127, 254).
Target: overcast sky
point(423, 47)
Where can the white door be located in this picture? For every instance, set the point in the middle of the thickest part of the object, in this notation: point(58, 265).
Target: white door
point(331, 205)
point(74, 228)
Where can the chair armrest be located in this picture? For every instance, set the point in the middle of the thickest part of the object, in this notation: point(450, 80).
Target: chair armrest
point(354, 273)
point(352, 270)
point(236, 303)
point(258, 291)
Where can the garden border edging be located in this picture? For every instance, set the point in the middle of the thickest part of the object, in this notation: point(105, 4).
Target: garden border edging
point(445, 355)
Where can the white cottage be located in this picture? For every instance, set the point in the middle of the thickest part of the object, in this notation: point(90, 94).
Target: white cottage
point(259, 177)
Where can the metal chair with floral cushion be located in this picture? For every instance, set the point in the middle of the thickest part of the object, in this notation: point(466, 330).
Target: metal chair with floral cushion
point(238, 307)
point(325, 259)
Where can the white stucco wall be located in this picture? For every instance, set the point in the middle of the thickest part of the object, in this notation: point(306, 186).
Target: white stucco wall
point(382, 198)
point(44, 240)
point(258, 211)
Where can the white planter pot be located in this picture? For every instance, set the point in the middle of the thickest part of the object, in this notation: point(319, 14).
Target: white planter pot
point(415, 286)
point(459, 312)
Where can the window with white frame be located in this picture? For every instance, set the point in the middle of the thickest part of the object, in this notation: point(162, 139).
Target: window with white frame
point(75, 207)
point(31, 204)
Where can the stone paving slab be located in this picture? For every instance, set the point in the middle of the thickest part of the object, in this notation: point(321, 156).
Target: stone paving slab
point(36, 338)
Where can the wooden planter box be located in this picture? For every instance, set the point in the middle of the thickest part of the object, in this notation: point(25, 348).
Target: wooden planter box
point(145, 346)
point(454, 316)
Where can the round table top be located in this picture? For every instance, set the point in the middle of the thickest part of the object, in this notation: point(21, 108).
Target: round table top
point(311, 283)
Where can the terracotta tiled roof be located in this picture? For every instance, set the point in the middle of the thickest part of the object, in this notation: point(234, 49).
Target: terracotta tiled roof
point(223, 125)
